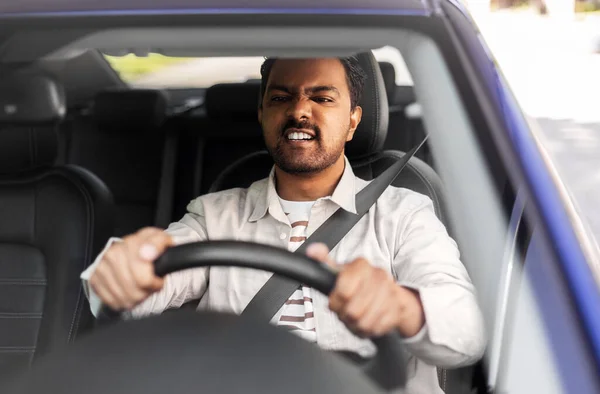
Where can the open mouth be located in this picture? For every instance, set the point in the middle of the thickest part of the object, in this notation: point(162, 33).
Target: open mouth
point(299, 135)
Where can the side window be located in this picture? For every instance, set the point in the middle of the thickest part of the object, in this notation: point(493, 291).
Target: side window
point(526, 361)
point(536, 338)
point(510, 275)
point(519, 353)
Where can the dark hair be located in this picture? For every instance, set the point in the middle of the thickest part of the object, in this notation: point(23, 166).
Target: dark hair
point(355, 76)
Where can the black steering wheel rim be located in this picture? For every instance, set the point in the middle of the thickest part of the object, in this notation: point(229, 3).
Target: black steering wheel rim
point(387, 368)
point(248, 255)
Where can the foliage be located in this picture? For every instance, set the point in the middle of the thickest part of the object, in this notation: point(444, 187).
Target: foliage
point(131, 67)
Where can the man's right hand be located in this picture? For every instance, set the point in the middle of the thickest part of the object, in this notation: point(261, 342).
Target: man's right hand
point(124, 277)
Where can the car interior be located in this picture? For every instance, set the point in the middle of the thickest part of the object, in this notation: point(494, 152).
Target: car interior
point(87, 156)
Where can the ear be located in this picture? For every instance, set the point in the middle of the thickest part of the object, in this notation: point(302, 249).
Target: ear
point(260, 114)
point(355, 117)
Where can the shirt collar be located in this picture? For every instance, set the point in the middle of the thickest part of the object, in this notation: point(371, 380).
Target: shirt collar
point(344, 195)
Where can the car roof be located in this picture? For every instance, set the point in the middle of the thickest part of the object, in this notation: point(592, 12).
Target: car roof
point(403, 7)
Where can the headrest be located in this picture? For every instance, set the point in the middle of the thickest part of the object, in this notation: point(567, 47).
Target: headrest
point(31, 99)
point(389, 79)
point(30, 107)
point(372, 130)
point(233, 100)
point(131, 110)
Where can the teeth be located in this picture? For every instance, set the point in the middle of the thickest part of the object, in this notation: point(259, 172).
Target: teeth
point(299, 136)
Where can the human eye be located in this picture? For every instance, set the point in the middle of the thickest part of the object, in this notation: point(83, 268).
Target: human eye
point(323, 99)
point(278, 98)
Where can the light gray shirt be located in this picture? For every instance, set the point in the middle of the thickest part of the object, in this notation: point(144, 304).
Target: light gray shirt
point(400, 234)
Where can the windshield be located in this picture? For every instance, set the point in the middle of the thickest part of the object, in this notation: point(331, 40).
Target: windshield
point(159, 71)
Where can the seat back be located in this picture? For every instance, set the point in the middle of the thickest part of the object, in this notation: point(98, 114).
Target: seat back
point(123, 143)
point(53, 221)
point(228, 131)
point(232, 129)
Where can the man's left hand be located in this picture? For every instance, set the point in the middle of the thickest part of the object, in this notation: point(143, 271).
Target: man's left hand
point(367, 299)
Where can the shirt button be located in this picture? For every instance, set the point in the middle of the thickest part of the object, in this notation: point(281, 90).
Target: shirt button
point(283, 235)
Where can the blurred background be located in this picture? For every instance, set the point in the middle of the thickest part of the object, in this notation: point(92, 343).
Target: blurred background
point(549, 52)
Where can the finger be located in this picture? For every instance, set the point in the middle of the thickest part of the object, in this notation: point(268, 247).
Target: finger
point(354, 311)
point(144, 276)
point(124, 272)
point(139, 237)
point(144, 252)
point(363, 299)
point(126, 289)
point(383, 312)
point(320, 252)
point(103, 292)
point(153, 244)
point(349, 280)
point(386, 324)
point(105, 280)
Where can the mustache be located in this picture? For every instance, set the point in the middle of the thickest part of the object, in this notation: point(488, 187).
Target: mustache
point(293, 124)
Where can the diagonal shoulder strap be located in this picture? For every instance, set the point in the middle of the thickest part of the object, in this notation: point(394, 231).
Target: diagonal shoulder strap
point(278, 289)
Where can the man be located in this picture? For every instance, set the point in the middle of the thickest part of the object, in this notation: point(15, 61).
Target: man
point(399, 269)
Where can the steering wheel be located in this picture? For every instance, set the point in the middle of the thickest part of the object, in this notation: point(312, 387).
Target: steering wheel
point(387, 369)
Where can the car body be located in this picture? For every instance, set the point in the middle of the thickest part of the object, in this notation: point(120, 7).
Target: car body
point(526, 248)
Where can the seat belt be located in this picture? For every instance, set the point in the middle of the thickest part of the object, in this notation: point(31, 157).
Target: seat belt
point(164, 202)
point(277, 290)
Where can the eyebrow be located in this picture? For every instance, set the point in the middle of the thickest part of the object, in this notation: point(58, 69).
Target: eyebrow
point(312, 89)
point(324, 88)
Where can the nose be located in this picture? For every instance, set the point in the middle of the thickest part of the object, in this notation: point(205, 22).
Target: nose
point(299, 109)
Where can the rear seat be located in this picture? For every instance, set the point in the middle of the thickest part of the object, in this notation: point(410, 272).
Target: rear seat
point(123, 143)
point(229, 131)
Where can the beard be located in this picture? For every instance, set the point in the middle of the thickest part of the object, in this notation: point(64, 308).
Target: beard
point(298, 161)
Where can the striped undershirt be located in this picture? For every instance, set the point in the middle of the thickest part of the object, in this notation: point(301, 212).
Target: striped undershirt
point(298, 314)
